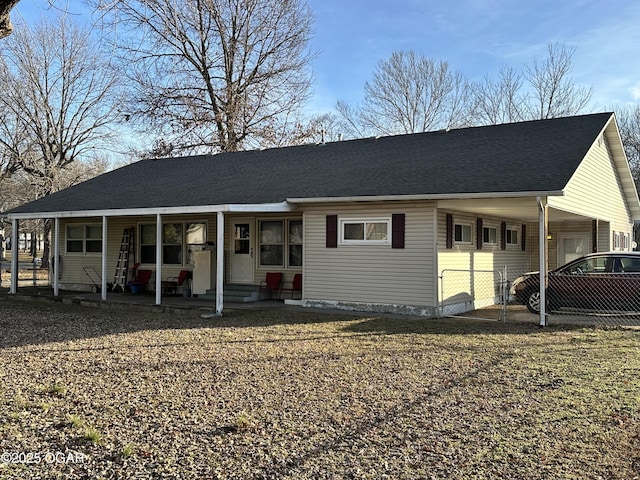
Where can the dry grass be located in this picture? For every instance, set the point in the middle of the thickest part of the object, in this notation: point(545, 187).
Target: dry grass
point(284, 394)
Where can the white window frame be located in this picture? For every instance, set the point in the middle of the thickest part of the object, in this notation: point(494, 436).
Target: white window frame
point(364, 221)
point(84, 239)
point(287, 242)
point(462, 241)
point(486, 229)
point(616, 240)
point(185, 254)
point(513, 230)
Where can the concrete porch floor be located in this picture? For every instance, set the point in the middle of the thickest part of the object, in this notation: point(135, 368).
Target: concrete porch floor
point(144, 301)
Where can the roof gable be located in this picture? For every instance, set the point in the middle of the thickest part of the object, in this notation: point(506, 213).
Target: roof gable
point(536, 156)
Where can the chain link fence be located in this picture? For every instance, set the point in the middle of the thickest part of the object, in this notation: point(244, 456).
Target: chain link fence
point(599, 289)
point(605, 285)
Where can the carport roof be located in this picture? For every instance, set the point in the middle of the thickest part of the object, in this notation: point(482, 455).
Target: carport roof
point(535, 157)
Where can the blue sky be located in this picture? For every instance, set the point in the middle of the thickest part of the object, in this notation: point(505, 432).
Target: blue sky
point(476, 37)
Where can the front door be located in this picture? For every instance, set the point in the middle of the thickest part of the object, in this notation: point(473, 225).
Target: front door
point(241, 264)
point(572, 246)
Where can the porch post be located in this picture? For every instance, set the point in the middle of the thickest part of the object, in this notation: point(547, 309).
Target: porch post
point(103, 284)
point(158, 259)
point(220, 263)
point(543, 220)
point(15, 252)
point(56, 256)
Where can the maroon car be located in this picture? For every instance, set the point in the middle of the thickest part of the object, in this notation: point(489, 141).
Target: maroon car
point(600, 281)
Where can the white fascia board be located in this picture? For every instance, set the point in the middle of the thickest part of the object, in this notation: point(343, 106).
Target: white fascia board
point(131, 212)
point(443, 196)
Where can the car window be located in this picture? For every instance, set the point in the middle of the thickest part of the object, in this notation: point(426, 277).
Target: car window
point(630, 264)
point(587, 265)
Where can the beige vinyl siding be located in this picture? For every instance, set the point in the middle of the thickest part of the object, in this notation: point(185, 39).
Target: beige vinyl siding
point(458, 283)
point(595, 190)
point(375, 274)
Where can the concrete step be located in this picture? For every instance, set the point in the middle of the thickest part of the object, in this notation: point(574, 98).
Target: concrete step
point(235, 293)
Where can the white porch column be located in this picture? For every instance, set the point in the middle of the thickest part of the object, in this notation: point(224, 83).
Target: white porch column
point(158, 259)
point(103, 284)
point(543, 223)
point(56, 256)
point(15, 253)
point(220, 263)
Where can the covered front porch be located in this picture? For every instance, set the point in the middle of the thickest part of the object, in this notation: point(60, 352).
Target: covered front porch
point(102, 250)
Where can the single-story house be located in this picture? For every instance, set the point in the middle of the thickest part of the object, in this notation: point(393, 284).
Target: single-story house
point(371, 224)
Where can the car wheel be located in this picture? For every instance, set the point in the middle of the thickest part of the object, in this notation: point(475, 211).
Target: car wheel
point(533, 301)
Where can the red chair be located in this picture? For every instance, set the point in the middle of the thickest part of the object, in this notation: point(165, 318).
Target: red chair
point(141, 281)
point(270, 284)
point(293, 286)
point(171, 284)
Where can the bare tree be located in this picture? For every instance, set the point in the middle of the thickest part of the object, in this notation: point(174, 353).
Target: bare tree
point(499, 101)
point(544, 89)
point(213, 75)
point(629, 125)
point(552, 93)
point(410, 93)
point(58, 100)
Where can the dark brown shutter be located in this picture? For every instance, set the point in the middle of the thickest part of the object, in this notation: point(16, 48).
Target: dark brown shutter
point(479, 233)
point(449, 230)
point(523, 240)
point(332, 231)
point(503, 236)
point(594, 236)
point(397, 230)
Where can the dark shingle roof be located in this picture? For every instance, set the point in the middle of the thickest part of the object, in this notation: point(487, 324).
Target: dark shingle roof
point(536, 156)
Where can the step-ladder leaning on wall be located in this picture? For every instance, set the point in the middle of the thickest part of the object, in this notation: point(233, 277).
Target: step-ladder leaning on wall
point(121, 276)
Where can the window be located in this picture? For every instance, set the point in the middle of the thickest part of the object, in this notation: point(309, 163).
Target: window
point(272, 243)
point(462, 233)
point(172, 244)
point(490, 235)
point(512, 236)
point(84, 239)
point(373, 231)
point(175, 237)
point(280, 241)
point(147, 244)
point(295, 243)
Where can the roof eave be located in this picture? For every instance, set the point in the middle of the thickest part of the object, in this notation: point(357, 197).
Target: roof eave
point(131, 212)
point(442, 196)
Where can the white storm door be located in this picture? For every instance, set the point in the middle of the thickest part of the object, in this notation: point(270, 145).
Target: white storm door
point(572, 246)
point(241, 265)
